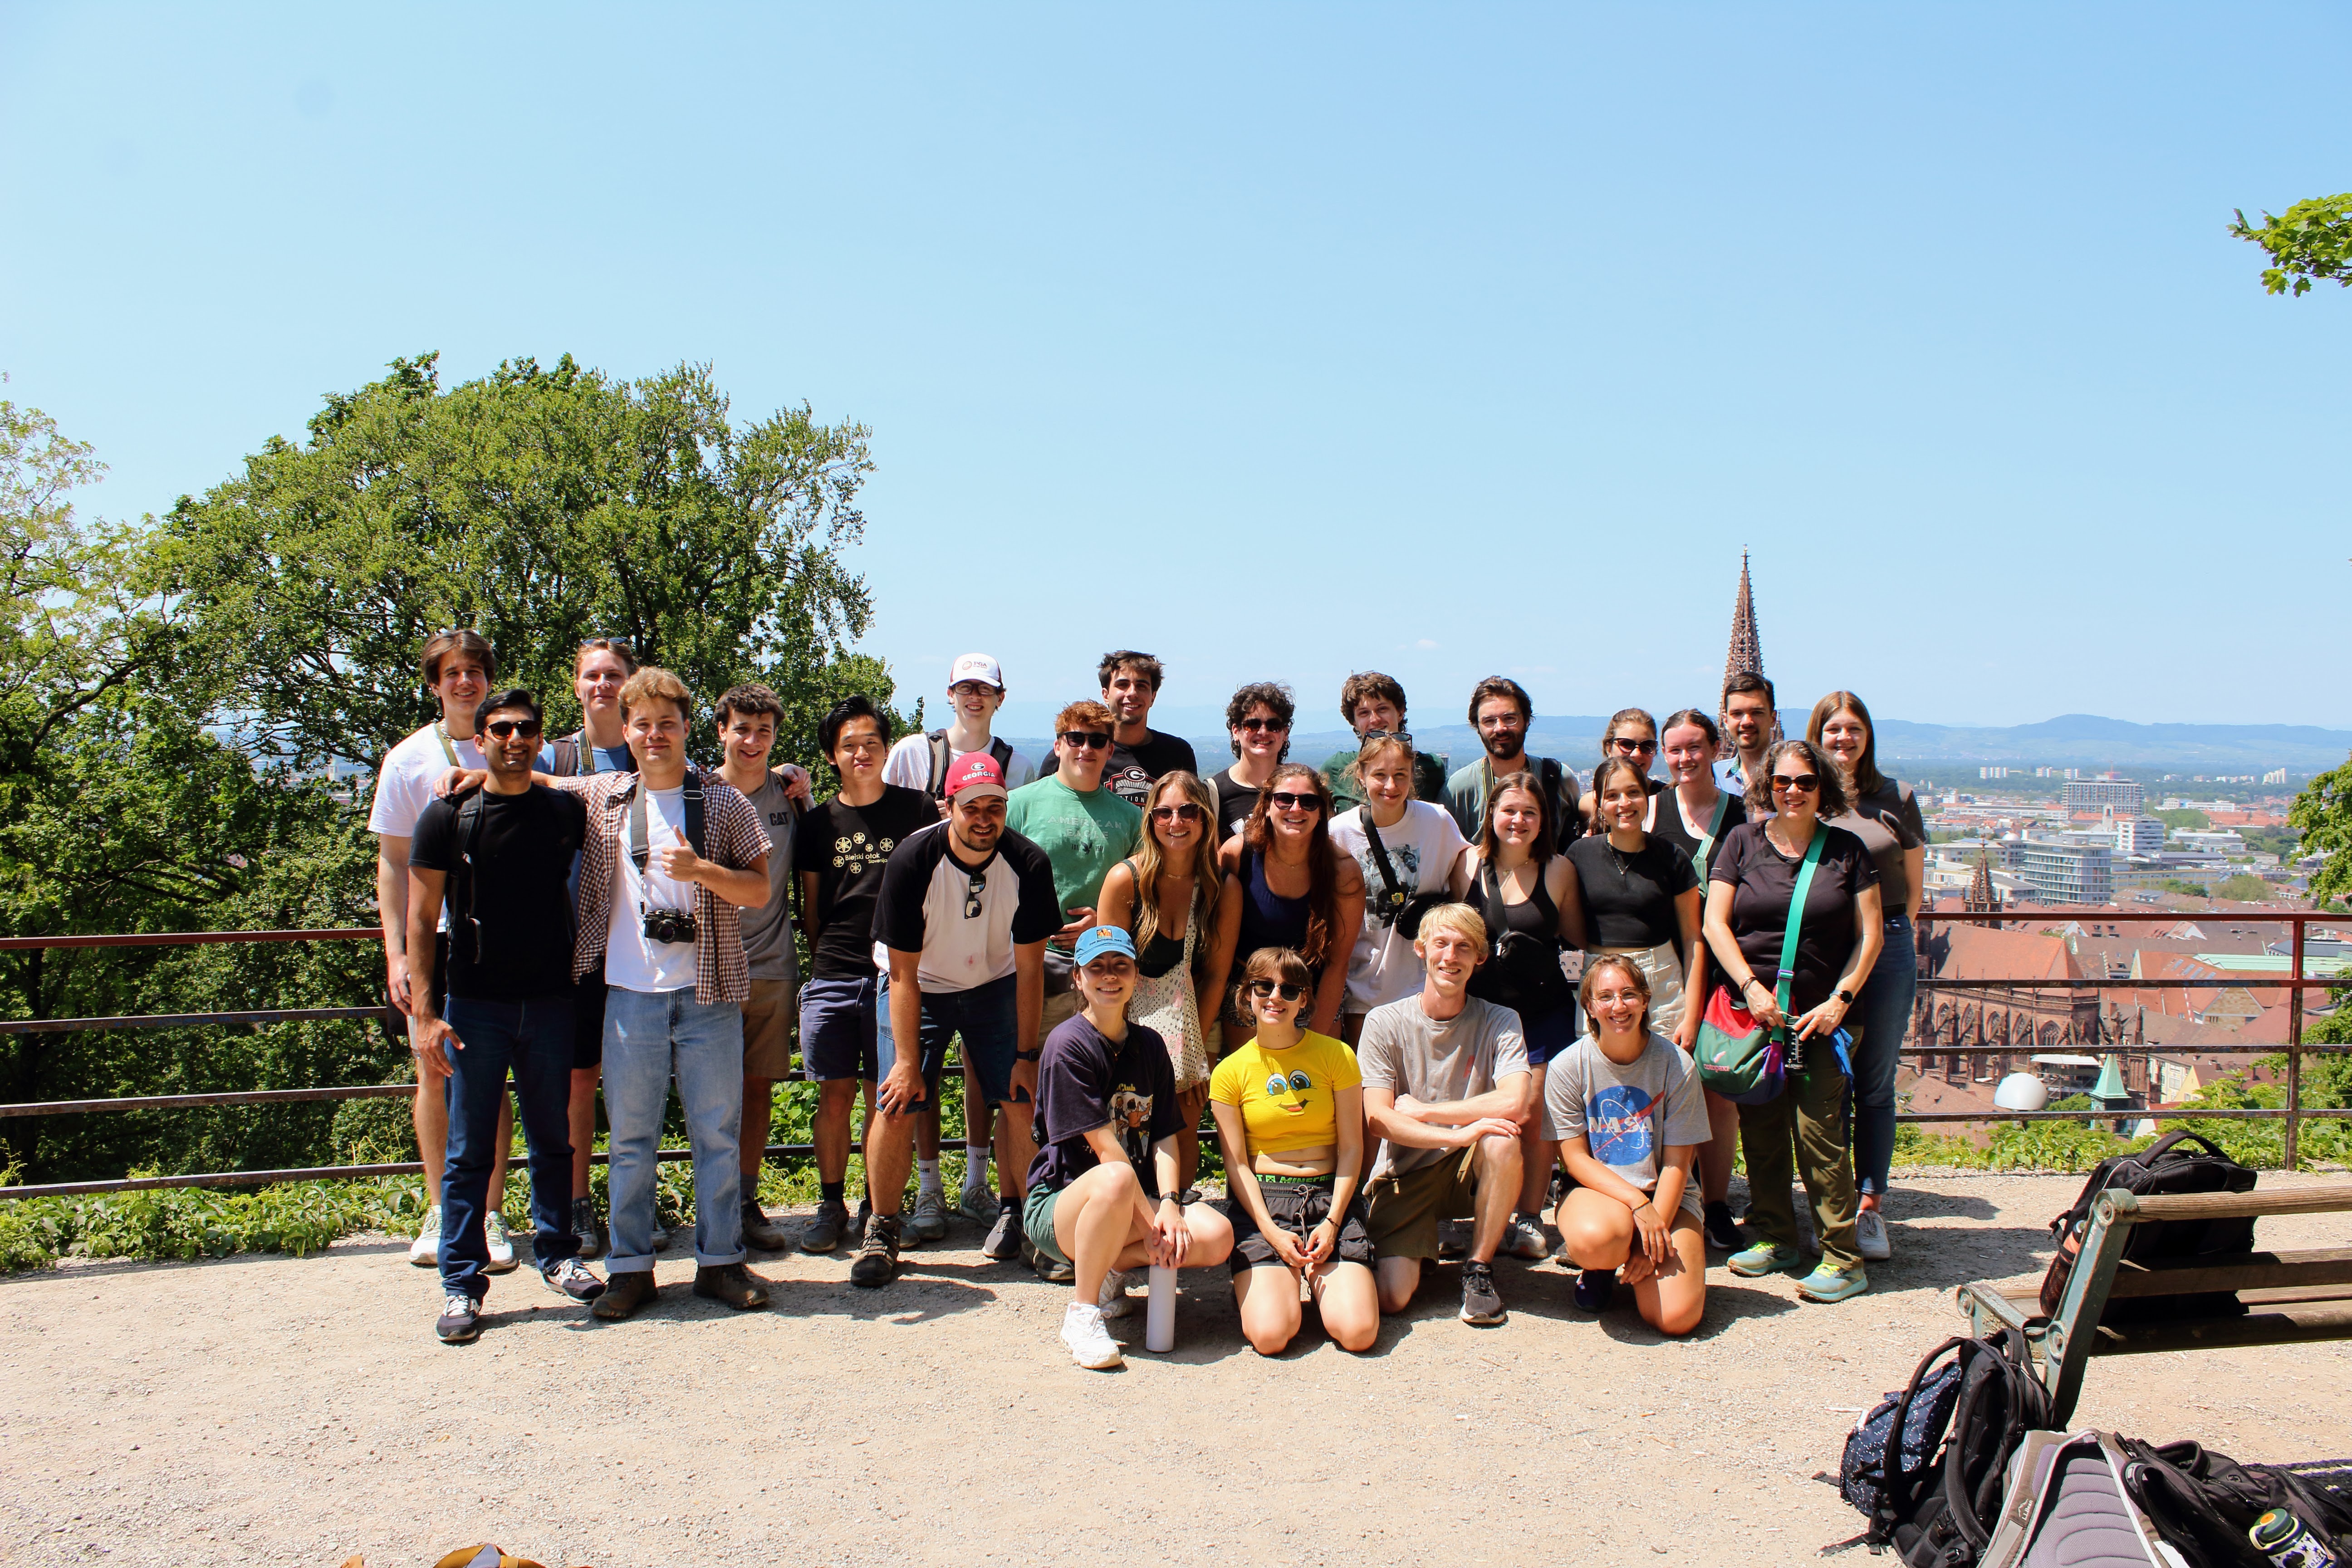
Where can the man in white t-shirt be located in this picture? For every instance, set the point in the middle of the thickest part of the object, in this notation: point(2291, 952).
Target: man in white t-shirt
point(923, 760)
point(457, 667)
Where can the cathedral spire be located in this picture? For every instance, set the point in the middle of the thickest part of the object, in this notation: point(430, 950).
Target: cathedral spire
point(1746, 654)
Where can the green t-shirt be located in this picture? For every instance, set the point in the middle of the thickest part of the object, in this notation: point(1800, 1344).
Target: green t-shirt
point(1083, 835)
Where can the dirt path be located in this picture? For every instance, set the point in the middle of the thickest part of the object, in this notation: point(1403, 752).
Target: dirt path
point(298, 1411)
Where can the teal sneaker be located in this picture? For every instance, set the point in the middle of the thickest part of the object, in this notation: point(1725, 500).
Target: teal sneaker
point(1828, 1284)
point(1764, 1257)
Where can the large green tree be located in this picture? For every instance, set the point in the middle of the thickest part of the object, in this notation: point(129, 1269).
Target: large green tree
point(2310, 242)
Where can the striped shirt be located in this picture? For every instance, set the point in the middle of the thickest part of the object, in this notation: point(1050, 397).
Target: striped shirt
point(734, 839)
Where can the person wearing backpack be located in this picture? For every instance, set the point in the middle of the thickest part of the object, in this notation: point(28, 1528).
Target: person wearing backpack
point(1501, 711)
point(1794, 899)
point(923, 760)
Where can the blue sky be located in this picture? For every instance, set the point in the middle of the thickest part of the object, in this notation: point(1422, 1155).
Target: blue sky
point(1285, 342)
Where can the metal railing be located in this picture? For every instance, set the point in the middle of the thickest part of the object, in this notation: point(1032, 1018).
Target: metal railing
point(2294, 982)
point(2293, 1112)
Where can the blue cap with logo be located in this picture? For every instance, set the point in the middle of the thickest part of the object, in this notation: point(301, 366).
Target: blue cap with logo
point(1095, 941)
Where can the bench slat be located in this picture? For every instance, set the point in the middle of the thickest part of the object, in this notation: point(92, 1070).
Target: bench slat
point(2256, 1272)
point(2322, 1197)
point(2280, 1325)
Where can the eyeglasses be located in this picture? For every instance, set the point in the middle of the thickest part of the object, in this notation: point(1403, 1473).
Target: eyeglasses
point(1091, 740)
point(1635, 748)
point(1800, 784)
point(1260, 726)
point(1286, 801)
point(971, 689)
point(503, 728)
point(1370, 735)
point(1268, 988)
point(1187, 812)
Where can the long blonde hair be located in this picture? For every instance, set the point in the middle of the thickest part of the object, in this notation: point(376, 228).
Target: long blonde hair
point(1207, 881)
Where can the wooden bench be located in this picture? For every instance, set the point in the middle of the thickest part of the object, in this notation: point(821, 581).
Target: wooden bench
point(2291, 1298)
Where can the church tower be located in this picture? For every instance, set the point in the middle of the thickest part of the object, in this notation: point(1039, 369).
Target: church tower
point(1745, 656)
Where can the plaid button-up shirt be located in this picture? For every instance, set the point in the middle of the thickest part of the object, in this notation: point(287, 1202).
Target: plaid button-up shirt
point(733, 838)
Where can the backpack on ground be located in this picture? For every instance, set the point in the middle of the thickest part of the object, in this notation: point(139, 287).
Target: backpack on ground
point(936, 786)
point(1938, 1506)
point(2205, 1502)
point(2168, 1165)
point(2066, 1505)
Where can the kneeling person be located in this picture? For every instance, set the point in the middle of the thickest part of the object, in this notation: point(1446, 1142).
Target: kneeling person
point(1102, 1190)
point(1627, 1111)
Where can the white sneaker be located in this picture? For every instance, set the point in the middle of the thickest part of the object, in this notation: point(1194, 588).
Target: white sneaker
point(502, 1258)
point(1113, 1300)
point(1523, 1237)
point(425, 1250)
point(1870, 1236)
point(930, 1220)
point(1090, 1344)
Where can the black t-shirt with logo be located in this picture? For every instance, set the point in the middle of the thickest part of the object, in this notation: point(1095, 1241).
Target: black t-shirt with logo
point(518, 894)
point(1085, 1081)
point(1235, 804)
point(846, 846)
point(1131, 770)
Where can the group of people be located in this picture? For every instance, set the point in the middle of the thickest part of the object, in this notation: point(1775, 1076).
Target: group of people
point(1402, 996)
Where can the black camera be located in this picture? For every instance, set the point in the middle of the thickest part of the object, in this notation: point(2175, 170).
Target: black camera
point(669, 925)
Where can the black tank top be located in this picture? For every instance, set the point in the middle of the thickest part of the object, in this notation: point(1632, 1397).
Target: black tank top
point(1522, 967)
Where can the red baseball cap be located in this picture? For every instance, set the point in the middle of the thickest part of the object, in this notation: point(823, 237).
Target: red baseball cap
point(977, 772)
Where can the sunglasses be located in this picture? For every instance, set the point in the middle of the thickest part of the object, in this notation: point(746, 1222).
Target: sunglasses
point(1370, 735)
point(975, 888)
point(1268, 988)
point(1090, 739)
point(1802, 783)
point(503, 727)
point(1636, 748)
point(1260, 726)
point(618, 645)
point(1286, 801)
point(1185, 813)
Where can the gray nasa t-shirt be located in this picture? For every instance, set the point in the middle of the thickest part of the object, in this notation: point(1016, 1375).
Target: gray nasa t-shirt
point(1407, 1052)
point(768, 929)
point(1628, 1113)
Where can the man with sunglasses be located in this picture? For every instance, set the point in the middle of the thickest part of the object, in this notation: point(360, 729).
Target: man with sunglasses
point(1374, 703)
point(1258, 719)
point(1500, 711)
point(1138, 753)
point(959, 927)
point(502, 856)
point(1084, 830)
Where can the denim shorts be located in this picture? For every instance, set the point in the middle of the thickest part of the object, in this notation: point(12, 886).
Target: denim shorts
point(983, 1016)
point(838, 1029)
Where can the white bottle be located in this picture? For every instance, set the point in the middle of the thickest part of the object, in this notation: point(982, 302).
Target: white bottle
point(1160, 1312)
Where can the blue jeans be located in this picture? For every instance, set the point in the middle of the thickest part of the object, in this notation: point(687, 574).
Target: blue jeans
point(1884, 1013)
point(986, 1018)
point(648, 1035)
point(534, 1040)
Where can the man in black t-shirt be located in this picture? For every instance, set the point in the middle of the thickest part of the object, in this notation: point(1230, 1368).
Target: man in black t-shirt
point(839, 851)
point(502, 856)
point(1138, 753)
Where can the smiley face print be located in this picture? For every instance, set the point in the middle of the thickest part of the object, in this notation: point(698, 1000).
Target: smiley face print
point(1289, 1091)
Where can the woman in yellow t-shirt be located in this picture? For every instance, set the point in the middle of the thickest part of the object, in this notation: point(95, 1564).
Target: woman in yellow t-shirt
point(1289, 1105)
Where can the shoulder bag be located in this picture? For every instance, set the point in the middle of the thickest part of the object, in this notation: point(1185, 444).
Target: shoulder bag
point(1739, 1057)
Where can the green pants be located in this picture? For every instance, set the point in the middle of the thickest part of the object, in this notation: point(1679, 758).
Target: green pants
point(1810, 1116)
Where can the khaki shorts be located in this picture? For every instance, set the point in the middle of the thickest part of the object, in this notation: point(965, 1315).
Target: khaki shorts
point(1059, 1009)
point(1404, 1212)
point(768, 1015)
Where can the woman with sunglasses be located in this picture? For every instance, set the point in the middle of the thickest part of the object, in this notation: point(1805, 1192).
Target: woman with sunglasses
point(1693, 815)
point(1409, 854)
point(1636, 894)
point(1258, 719)
point(1172, 885)
point(1287, 887)
point(1633, 734)
point(1885, 814)
point(1520, 885)
point(1751, 888)
point(1289, 1104)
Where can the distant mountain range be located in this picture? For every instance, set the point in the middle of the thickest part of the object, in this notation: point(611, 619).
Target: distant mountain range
point(2071, 740)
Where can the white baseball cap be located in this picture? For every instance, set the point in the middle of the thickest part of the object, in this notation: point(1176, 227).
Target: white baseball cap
point(977, 667)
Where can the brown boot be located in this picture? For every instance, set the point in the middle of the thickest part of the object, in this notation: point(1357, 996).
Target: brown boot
point(734, 1284)
point(624, 1294)
point(758, 1233)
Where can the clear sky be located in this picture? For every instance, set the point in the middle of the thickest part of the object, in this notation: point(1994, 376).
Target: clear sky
point(1289, 340)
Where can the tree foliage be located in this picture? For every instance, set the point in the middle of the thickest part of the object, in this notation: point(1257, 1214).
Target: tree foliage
point(2311, 241)
point(2322, 813)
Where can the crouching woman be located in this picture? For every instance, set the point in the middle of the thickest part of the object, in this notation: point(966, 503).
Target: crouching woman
point(1630, 1117)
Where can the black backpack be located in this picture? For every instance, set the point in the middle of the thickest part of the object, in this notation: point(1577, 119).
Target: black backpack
point(1937, 1509)
point(2204, 1502)
point(937, 786)
point(2167, 1165)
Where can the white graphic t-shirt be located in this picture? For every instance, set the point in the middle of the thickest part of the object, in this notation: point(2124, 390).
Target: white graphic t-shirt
point(1421, 850)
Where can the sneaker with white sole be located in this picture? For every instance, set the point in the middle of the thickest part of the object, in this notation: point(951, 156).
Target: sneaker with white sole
point(502, 1258)
point(1090, 1344)
point(978, 1204)
point(1524, 1238)
point(1004, 1238)
point(573, 1279)
point(1113, 1298)
point(1828, 1284)
point(1870, 1236)
point(425, 1250)
point(930, 1220)
point(588, 1229)
point(461, 1318)
point(1481, 1303)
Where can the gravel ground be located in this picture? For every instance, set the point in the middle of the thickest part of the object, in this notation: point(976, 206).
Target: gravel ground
point(298, 1412)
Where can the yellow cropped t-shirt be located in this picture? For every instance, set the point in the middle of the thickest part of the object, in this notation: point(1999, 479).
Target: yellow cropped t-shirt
point(1288, 1099)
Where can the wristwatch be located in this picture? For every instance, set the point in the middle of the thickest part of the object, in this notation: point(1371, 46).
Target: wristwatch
point(1846, 997)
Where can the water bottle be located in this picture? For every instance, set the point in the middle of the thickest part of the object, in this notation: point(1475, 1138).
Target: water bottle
point(2289, 1542)
point(1159, 1317)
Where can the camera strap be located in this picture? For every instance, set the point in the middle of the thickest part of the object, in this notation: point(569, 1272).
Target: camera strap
point(640, 847)
point(1393, 895)
point(470, 838)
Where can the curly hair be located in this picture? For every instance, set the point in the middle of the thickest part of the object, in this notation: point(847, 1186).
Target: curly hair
point(1832, 800)
point(1262, 694)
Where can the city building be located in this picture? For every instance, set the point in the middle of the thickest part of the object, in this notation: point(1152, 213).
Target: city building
point(2093, 794)
point(2137, 834)
point(2068, 873)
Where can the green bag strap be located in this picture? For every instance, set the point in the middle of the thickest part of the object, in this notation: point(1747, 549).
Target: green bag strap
point(1796, 924)
point(1714, 827)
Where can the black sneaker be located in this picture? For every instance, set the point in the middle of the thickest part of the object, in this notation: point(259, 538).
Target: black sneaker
point(1594, 1287)
point(877, 1255)
point(588, 1229)
point(1722, 1231)
point(569, 1277)
point(461, 1320)
point(1004, 1239)
point(822, 1231)
point(1480, 1302)
point(1051, 1271)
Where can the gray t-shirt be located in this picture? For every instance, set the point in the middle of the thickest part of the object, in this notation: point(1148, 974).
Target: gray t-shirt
point(1407, 1052)
point(1630, 1115)
point(768, 929)
point(1888, 823)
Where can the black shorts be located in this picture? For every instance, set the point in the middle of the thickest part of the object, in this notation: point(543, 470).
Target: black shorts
point(588, 1019)
point(1297, 1207)
point(840, 1020)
